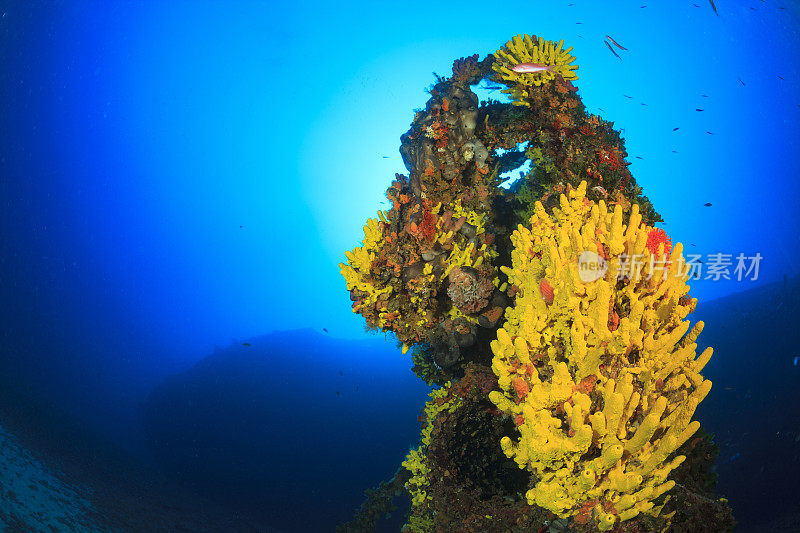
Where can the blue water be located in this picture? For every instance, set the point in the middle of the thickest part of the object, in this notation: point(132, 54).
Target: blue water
point(177, 178)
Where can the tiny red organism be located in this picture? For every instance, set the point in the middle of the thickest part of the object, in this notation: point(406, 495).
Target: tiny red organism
point(546, 291)
point(656, 237)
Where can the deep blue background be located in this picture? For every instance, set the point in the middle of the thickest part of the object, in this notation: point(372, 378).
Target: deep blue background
point(180, 175)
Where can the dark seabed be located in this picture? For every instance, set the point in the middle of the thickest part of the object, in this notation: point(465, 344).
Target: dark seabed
point(57, 474)
point(266, 437)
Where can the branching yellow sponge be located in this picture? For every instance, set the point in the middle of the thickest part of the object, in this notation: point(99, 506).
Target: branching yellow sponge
point(530, 49)
point(356, 271)
point(596, 361)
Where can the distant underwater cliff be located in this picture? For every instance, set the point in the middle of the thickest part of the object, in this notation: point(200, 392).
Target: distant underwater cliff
point(553, 316)
point(287, 428)
point(754, 414)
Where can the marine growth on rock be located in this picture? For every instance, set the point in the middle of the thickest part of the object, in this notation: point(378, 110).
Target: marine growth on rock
point(552, 310)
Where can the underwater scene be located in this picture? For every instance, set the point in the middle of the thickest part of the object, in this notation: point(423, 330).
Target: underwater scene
point(419, 267)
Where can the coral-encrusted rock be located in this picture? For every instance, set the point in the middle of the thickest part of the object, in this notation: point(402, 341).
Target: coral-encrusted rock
point(469, 291)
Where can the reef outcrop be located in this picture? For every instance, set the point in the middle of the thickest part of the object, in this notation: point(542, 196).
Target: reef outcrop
point(521, 265)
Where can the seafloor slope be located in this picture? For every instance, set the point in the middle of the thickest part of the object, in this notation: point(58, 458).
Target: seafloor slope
point(58, 475)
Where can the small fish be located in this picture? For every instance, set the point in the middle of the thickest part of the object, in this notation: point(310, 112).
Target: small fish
point(714, 7)
point(676, 129)
point(246, 344)
point(740, 80)
point(704, 95)
point(385, 157)
point(781, 77)
point(525, 68)
point(579, 23)
point(639, 157)
point(692, 244)
point(626, 96)
point(707, 204)
point(356, 388)
point(644, 103)
point(710, 132)
point(601, 191)
point(674, 151)
point(240, 226)
point(325, 330)
point(612, 50)
point(615, 42)
point(698, 109)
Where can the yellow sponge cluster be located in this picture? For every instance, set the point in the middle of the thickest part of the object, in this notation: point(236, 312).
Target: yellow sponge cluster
point(532, 49)
point(356, 271)
point(597, 365)
point(470, 254)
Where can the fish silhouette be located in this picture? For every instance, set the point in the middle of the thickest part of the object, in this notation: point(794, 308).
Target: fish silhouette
point(612, 50)
point(615, 42)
